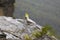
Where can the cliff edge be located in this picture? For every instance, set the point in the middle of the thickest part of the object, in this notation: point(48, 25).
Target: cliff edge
point(19, 28)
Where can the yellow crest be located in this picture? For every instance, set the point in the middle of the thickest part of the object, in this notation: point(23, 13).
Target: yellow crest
point(26, 15)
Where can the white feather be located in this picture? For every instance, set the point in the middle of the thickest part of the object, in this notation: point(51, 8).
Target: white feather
point(31, 21)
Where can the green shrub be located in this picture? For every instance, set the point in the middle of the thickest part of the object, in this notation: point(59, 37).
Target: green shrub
point(49, 29)
point(45, 29)
point(36, 34)
point(27, 37)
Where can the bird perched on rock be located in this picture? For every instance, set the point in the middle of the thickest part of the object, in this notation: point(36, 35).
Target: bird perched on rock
point(28, 20)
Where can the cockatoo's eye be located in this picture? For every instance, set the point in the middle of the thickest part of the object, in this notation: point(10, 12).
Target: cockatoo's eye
point(26, 15)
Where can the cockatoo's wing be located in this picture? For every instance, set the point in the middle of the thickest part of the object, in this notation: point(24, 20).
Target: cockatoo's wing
point(31, 21)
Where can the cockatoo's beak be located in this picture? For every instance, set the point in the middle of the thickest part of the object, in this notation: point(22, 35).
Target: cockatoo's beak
point(26, 15)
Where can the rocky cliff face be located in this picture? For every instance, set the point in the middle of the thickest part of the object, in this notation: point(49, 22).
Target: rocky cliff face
point(17, 28)
point(7, 7)
point(6, 2)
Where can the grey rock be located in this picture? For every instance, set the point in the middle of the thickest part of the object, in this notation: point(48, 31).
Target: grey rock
point(17, 28)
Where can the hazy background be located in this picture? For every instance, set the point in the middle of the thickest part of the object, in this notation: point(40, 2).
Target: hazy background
point(41, 11)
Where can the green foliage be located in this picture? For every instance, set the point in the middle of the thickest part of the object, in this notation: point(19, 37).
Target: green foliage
point(27, 37)
point(36, 34)
point(49, 29)
point(45, 30)
point(52, 32)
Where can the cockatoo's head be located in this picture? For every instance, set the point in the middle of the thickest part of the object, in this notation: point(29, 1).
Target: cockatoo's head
point(26, 16)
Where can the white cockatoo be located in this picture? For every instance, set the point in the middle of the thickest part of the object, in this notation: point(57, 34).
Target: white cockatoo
point(28, 20)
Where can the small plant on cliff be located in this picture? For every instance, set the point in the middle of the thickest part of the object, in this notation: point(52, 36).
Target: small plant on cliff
point(36, 34)
point(50, 30)
point(45, 30)
point(27, 37)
